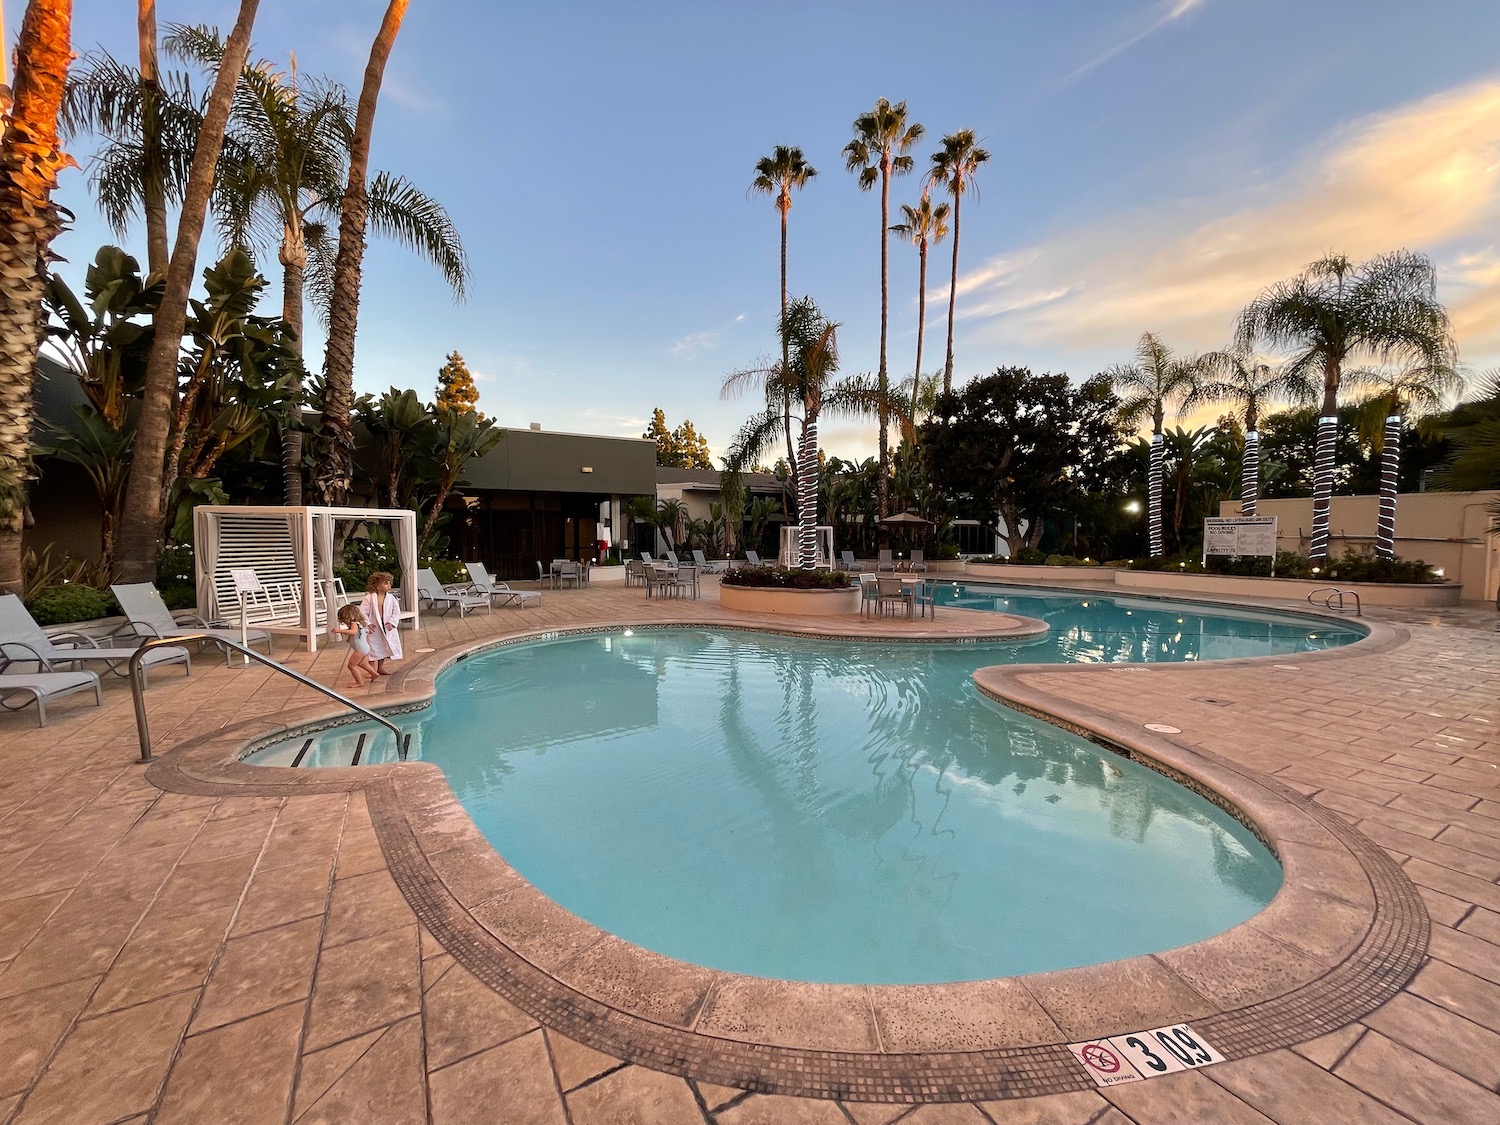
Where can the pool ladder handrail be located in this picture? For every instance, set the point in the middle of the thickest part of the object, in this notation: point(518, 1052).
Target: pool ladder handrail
point(138, 686)
point(1335, 599)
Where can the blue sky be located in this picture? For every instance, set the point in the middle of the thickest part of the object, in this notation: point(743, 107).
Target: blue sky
point(1153, 165)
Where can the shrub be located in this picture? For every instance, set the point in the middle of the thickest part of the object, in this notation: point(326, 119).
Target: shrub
point(449, 572)
point(61, 605)
point(788, 579)
point(1365, 566)
point(1029, 556)
point(945, 551)
point(1069, 560)
point(1289, 564)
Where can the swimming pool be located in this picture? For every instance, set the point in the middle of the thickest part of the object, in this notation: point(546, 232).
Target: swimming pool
point(845, 812)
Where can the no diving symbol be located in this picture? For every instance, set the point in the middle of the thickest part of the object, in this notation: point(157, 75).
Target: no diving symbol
point(1101, 1058)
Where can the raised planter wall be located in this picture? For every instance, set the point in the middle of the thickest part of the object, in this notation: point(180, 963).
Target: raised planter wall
point(1296, 589)
point(1008, 573)
point(606, 574)
point(801, 603)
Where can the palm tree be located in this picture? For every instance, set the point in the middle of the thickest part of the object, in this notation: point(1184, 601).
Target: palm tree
point(335, 471)
point(878, 152)
point(1234, 377)
point(1156, 380)
point(1336, 309)
point(145, 494)
point(925, 226)
point(776, 175)
point(955, 165)
point(1398, 393)
point(30, 159)
point(811, 342)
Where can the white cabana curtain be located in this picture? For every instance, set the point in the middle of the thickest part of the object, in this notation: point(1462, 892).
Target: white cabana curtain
point(206, 559)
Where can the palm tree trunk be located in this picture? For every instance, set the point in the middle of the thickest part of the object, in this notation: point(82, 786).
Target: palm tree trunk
point(1390, 467)
point(786, 358)
point(153, 183)
point(807, 494)
point(293, 258)
point(146, 491)
point(916, 379)
point(335, 473)
point(883, 379)
point(1250, 474)
point(1153, 494)
point(30, 160)
point(952, 295)
point(1323, 464)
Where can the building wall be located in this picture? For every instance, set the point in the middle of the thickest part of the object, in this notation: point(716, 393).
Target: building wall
point(1443, 529)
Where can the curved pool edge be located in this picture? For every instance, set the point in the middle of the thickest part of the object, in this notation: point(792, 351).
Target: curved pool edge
point(1270, 982)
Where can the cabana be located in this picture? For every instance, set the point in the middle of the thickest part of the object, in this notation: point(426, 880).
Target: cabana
point(791, 546)
point(291, 551)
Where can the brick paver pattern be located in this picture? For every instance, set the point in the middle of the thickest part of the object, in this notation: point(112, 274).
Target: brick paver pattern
point(168, 958)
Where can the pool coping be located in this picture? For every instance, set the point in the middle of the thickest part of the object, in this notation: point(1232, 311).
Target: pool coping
point(1344, 933)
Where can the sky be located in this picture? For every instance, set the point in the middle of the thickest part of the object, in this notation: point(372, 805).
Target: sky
point(1154, 164)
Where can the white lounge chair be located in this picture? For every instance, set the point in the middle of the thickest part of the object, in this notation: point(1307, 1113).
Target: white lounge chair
point(918, 562)
point(753, 559)
point(22, 640)
point(705, 566)
point(885, 562)
point(38, 687)
point(434, 594)
point(481, 583)
point(852, 565)
point(150, 617)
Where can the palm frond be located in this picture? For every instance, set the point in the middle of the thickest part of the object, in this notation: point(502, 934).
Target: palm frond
point(400, 210)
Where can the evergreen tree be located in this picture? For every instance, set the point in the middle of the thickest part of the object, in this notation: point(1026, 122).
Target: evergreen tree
point(657, 431)
point(455, 386)
point(691, 447)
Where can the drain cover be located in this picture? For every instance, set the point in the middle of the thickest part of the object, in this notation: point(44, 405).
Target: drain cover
point(1163, 728)
point(1211, 700)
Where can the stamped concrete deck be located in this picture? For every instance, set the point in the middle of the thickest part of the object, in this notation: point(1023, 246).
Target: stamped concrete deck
point(223, 956)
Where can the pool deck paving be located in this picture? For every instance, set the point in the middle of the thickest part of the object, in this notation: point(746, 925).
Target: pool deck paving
point(181, 944)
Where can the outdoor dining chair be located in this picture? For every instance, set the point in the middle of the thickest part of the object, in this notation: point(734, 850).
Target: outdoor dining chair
point(892, 593)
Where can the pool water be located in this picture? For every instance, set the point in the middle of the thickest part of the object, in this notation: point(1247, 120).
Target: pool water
point(849, 812)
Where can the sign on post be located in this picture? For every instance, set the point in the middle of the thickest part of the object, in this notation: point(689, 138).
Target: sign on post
point(1240, 535)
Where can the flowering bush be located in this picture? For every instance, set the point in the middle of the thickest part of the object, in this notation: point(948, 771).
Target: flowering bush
point(781, 578)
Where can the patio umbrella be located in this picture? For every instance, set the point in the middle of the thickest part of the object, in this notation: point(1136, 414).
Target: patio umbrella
point(906, 518)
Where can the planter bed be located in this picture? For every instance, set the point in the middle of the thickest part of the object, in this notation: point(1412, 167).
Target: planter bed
point(1020, 573)
point(801, 603)
point(1415, 594)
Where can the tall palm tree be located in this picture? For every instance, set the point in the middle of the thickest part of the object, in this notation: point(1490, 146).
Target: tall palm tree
point(808, 380)
point(878, 152)
point(153, 182)
point(335, 471)
point(925, 226)
point(1235, 378)
point(1396, 394)
point(1337, 309)
point(1156, 381)
point(955, 165)
point(145, 494)
point(31, 157)
point(776, 175)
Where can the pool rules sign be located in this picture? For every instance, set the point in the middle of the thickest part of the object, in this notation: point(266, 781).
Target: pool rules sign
point(1240, 535)
point(1144, 1054)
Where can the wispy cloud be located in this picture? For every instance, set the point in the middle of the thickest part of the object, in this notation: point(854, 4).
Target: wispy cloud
point(1425, 176)
point(1163, 14)
point(695, 344)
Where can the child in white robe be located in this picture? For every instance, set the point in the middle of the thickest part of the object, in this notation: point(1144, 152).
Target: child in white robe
point(383, 612)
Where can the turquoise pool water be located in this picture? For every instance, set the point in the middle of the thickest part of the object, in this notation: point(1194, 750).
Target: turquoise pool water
point(844, 812)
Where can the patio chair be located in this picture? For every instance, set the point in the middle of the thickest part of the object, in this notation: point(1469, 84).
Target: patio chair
point(918, 562)
point(851, 564)
point(565, 571)
point(885, 562)
point(867, 597)
point(635, 572)
point(660, 580)
point(149, 617)
point(19, 633)
point(431, 591)
point(891, 593)
point(705, 566)
point(38, 687)
point(753, 559)
point(924, 598)
point(482, 584)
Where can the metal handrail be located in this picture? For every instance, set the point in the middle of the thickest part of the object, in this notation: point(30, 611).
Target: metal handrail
point(1334, 594)
point(138, 687)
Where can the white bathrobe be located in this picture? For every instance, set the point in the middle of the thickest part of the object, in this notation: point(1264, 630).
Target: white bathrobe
point(385, 621)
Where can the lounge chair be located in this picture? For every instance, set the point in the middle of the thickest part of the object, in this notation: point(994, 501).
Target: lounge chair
point(150, 617)
point(704, 565)
point(885, 562)
point(482, 584)
point(753, 559)
point(42, 686)
point(850, 563)
point(431, 591)
point(22, 640)
point(917, 563)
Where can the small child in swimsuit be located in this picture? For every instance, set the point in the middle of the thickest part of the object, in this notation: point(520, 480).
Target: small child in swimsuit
point(352, 624)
